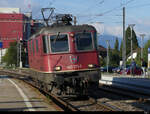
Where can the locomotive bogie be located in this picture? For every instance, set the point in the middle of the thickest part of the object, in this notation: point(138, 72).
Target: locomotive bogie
point(78, 82)
point(72, 83)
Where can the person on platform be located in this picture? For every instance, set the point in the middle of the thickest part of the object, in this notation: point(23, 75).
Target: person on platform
point(133, 67)
point(144, 65)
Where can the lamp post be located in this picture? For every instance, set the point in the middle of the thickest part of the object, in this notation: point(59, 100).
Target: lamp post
point(131, 26)
point(20, 55)
point(142, 38)
point(107, 41)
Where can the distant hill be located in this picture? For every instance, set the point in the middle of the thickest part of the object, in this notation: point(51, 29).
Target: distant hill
point(102, 40)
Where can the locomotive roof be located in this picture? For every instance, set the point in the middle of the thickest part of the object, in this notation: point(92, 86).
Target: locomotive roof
point(62, 29)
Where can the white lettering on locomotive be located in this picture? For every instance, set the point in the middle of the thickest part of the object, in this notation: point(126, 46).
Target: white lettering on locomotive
point(74, 67)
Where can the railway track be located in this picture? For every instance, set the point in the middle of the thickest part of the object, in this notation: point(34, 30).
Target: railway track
point(21, 76)
point(141, 100)
point(93, 105)
point(140, 97)
point(66, 105)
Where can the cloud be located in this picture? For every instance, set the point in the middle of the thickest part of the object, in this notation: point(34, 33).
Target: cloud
point(99, 27)
point(144, 22)
point(24, 5)
point(108, 29)
point(142, 25)
point(113, 30)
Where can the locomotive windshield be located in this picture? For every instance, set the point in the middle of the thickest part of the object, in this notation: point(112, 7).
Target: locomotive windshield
point(59, 43)
point(84, 41)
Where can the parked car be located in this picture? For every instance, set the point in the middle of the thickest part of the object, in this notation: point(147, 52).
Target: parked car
point(137, 71)
point(118, 69)
point(104, 69)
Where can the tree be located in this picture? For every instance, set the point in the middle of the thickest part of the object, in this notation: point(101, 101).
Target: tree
point(102, 61)
point(114, 58)
point(121, 46)
point(145, 50)
point(128, 41)
point(116, 45)
point(115, 54)
point(10, 57)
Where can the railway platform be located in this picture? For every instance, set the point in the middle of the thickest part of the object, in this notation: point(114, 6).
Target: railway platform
point(136, 83)
point(15, 95)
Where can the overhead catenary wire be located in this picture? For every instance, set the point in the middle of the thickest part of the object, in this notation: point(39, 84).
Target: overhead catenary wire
point(93, 16)
point(94, 5)
point(108, 11)
point(100, 15)
point(142, 5)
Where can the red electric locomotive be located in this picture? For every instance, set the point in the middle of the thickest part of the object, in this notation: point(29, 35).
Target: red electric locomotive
point(65, 56)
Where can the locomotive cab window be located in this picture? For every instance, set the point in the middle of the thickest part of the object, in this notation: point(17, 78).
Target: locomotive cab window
point(33, 46)
point(45, 44)
point(37, 48)
point(84, 41)
point(95, 40)
point(30, 49)
point(59, 43)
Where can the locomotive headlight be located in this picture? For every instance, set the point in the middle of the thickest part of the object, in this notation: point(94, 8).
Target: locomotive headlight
point(91, 65)
point(72, 35)
point(57, 68)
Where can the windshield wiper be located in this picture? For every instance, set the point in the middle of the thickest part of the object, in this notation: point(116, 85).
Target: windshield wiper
point(56, 37)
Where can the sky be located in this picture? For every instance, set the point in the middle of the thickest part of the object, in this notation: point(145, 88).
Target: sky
point(105, 15)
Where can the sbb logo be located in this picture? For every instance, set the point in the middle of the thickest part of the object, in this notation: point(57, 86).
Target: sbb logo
point(74, 59)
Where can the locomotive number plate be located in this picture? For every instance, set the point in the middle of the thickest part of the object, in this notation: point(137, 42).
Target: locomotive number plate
point(74, 67)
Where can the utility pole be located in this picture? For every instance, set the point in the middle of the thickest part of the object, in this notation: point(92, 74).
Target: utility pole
point(124, 41)
point(17, 50)
point(131, 26)
point(19, 61)
point(142, 38)
point(20, 55)
point(107, 41)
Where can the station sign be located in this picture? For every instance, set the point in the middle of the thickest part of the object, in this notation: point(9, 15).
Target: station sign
point(1, 44)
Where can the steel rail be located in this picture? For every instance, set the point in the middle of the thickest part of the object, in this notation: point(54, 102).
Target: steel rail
point(66, 106)
point(125, 92)
point(61, 103)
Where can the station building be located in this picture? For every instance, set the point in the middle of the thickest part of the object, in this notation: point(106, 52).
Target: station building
point(14, 26)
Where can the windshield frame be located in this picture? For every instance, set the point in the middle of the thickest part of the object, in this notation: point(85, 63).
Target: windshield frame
point(49, 40)
point(93, 46)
